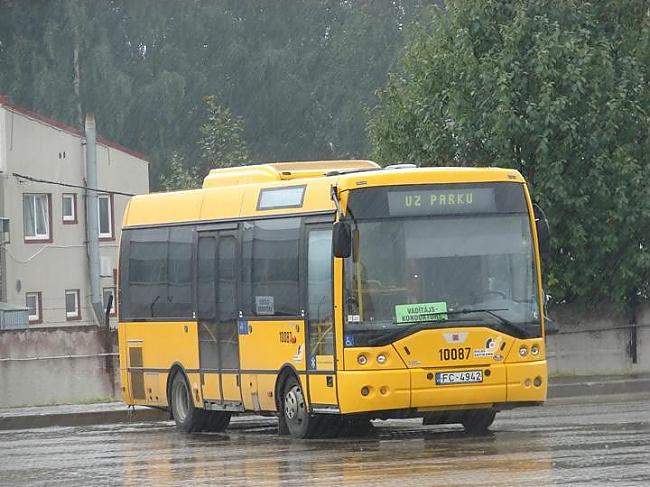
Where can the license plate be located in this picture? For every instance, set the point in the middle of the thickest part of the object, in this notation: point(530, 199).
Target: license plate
point(463, 377)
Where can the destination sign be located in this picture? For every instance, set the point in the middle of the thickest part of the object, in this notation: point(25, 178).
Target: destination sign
point(441, 202)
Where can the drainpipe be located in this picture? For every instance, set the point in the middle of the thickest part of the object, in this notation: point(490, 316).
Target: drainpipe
point(92, 223)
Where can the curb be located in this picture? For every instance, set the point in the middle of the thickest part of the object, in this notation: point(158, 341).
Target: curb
point(598, 387)
point(30, 421)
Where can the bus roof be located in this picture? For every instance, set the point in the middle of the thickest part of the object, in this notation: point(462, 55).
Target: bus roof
point(233, 193)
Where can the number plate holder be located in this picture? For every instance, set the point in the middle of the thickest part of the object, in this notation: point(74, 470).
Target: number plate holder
point(459, 377)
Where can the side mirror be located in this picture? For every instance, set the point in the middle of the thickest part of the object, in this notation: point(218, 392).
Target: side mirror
point(342, 240)
point(543, 231)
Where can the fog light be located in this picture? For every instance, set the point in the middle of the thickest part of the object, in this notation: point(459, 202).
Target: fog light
point(523, 351)
point(537, 381)
point(527, 382)
point(365, 391)
point(362, 359)
point(381, 359)
point(534, 350)
point(383, 390)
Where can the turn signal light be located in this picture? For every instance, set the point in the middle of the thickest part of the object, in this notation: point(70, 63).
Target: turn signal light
point(534, 350)
point(523, 351)
point(362, 359)
point(381, 359)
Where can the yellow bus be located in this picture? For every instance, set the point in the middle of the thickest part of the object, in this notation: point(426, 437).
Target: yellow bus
point(334, 292)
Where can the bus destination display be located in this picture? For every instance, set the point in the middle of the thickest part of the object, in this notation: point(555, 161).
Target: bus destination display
point(441, 202)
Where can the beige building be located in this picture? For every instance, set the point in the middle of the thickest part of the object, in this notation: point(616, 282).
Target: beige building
point(44, 262)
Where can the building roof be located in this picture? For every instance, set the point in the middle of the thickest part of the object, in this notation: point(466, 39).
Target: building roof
point(5, 102)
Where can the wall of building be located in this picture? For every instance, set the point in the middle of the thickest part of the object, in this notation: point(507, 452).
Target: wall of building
point(58, 365)
point(71, 365)
point(40, 150)
point(599, 342)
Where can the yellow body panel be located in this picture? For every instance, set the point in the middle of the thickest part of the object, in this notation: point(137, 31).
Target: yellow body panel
point(211, 389)
point(520, 377)
point(271, 344)
point(387, 389)
point(231, 388)
point(154, 339)
point(267, 347)
point(320, 392)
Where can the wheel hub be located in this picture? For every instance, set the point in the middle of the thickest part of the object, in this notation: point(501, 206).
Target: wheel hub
point(291, 404)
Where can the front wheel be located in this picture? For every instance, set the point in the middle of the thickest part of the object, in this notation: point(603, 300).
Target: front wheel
point(478, 422)
point(295, 412)
point(188, 418)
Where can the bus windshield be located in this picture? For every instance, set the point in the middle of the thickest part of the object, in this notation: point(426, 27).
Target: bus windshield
point(410, 272)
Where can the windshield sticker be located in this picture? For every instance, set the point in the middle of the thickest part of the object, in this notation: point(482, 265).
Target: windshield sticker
point(349, 341)
point(412, 313)
point(354, 318)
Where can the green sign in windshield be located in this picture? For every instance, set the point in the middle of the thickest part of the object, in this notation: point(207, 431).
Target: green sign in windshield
point(412, 313)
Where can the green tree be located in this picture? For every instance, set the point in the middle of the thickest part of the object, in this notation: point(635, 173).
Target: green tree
point(558, 90)
point(222, 143)
point(179, 176)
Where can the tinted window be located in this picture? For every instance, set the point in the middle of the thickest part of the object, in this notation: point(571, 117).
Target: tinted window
point(206, 272)
point(156, 279)
point(270, 267)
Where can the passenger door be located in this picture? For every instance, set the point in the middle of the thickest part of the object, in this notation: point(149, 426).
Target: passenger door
point(217, 286)
point(320, 322)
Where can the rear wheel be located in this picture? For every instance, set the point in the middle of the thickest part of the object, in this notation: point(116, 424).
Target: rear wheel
point(188, 418)
point(478, 422)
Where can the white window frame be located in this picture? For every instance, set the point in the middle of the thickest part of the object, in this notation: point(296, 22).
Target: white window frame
point(76, 314)
point(109, 199)
point(48, 222)
point(36, 317)
point(73, 204)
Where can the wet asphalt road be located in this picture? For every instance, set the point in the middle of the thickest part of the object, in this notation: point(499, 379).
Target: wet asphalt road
point(587, 441)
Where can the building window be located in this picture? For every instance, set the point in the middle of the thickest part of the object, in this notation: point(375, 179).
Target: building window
point(72, 310)
point(69, 208)
point(108, 292)
point(33, 302)
point(36, 217)
point(105, 212)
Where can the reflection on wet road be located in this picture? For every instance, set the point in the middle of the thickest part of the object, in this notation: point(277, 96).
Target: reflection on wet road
point(596, 441)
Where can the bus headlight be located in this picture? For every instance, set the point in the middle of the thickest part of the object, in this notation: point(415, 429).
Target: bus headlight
point(362, 359)
point(523, 351)
point(534, 350)
point(381, 359)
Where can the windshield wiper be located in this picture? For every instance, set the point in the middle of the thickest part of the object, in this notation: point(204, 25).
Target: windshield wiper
point(490, 311)
point(422, 324)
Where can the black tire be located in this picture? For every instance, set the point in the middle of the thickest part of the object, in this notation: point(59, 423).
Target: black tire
point(216, 421)
point(478, 422)
point(295, 413)
point(188, 418)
